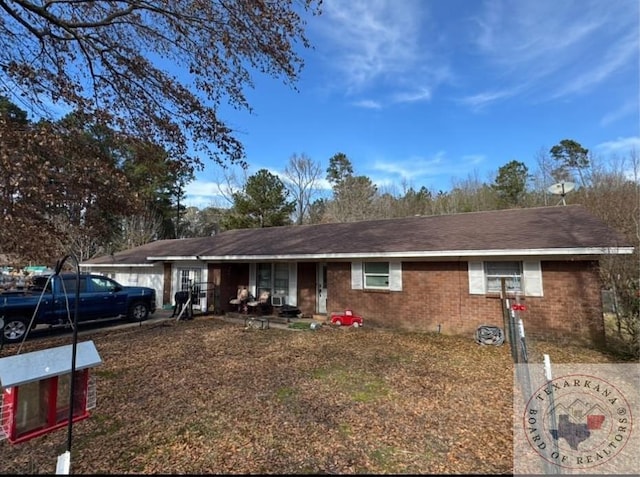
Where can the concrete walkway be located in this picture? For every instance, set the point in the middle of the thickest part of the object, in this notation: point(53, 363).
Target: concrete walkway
point(264, 322)
point(237, 318)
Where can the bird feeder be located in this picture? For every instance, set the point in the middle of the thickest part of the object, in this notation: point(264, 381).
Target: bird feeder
point(36, 390)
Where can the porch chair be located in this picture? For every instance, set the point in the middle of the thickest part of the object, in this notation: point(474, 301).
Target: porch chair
point(264, 303)
point(241, 300)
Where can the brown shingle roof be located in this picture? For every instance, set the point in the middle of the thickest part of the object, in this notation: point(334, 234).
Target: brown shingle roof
point(562, 228)
point(168, 247)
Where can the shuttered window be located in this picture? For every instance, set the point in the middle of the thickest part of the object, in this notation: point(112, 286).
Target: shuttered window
point(486, 277)
point(511, 272)
point(376, 276)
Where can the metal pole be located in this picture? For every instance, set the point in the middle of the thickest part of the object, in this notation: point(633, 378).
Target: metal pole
point(74, 346)
point(510, 325)
point(505, 314)
point(552, 469)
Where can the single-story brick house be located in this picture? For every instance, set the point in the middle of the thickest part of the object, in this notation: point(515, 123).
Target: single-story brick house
point(431, 273)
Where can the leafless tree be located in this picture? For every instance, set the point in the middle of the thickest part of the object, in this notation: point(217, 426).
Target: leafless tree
point(232, 181)
point(138, 230)
point(542, 177)
point(302, 176)
point(615, 198)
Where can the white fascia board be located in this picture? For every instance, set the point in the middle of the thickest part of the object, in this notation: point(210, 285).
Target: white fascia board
point(176, 258)
point(430, 254)
point(111, 265)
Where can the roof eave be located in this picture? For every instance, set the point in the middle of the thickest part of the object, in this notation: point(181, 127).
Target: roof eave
point(175, 258)
point(430, 254)
point(117, 264)
point(556, 252)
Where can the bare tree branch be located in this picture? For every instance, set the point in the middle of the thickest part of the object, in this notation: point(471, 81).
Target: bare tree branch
point(159, 68)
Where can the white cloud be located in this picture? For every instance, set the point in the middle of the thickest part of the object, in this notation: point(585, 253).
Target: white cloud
point(415, 96)
point(422, 94)
point(516, 34)
point(630, 107)
point(479, 100)
point(425, 167)
point(404, 51)
point(368, 104)
point(372, 37)
point(617, 58)
point(554, 49)
point(202, 193)
point(380, 44)
point(620, 146)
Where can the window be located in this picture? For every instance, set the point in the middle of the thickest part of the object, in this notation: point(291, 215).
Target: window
point(191, 277)
point(263, 281)
point(102, 284)
point(376, 274)
point(69, 284)
point(45, 404)
point(273, 278)
point(510, 271)
point(63, 391)
point(32, 406)
point(524, 277)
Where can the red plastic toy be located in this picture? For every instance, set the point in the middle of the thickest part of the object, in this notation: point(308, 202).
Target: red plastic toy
point(347, 319)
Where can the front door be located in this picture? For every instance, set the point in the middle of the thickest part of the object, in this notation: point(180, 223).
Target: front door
point(191, 280)
point(322, 288)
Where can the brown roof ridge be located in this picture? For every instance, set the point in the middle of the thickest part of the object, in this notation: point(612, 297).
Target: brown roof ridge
point(416, 216)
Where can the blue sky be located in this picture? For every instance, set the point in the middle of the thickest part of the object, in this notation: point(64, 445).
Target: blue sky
point(430, 92)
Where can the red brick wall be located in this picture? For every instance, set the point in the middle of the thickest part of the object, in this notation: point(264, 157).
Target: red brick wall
point(435, 297)
point(571, 308)
point(306, 298)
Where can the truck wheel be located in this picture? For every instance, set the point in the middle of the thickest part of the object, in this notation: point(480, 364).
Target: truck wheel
point(139, 311)
point(15, 329)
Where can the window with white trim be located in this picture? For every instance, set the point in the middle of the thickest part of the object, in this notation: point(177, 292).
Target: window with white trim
point(273, 277)
point(376, 275)
point(520, 276)
point(496, 271)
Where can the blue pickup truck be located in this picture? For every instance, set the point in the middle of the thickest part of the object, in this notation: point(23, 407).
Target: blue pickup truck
point(51, 301)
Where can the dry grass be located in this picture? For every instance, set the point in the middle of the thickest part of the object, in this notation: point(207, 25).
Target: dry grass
point(205, 396)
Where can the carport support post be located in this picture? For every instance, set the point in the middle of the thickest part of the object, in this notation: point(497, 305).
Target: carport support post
point(72, 386)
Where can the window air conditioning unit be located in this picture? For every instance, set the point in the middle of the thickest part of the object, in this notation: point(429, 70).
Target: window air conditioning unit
point(278, 300)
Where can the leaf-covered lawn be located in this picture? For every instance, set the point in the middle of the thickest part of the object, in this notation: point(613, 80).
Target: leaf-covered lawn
point(207, 396)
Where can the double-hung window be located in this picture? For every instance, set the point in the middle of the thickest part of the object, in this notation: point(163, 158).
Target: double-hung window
point(273, 277)
point(376, 275)
point(519, 276)
point(511, 272)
